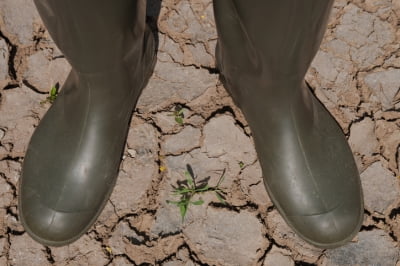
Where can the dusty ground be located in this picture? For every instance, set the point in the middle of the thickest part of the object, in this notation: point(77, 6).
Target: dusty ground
point(356, 74)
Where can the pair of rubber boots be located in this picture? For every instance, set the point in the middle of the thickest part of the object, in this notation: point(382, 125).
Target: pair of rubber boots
point(264, 50)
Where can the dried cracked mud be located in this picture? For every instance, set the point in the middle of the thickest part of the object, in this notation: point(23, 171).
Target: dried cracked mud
point(356, 74)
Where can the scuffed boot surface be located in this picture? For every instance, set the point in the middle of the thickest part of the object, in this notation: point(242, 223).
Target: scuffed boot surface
point(72, 160)
point(263, 53)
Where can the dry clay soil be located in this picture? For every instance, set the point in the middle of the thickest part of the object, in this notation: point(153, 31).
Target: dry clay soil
point(356, 74)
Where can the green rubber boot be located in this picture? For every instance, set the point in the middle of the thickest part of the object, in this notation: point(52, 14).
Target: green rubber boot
point(72, 160)
point(263, 53)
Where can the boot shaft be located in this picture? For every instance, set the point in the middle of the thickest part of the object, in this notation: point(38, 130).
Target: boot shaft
point(275, 39)
point(94, 35)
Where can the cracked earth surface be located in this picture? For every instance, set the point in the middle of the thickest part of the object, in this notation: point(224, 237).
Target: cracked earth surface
point(356, 74)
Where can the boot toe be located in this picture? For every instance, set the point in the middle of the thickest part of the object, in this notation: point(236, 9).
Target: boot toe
point(329, 229)
point(53, 227)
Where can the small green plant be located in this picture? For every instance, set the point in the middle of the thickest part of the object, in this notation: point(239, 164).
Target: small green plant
point(241, 164)
point(52, 95)
point(187, 189)
point(178, 114)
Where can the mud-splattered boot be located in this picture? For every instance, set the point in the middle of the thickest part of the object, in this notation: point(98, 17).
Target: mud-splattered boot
point(73, 157)
point(263, 53)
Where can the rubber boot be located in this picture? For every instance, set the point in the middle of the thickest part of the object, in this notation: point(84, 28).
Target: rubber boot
point(263, 53)
point(73, 157)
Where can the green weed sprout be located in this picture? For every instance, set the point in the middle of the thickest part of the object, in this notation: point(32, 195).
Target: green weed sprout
point(178, 114)
point(52, 95)
point(188, 189)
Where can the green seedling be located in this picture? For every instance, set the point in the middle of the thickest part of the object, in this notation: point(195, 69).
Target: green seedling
point(178, 114)
point(187, 189)
point(241, 164)
point(52, 95)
